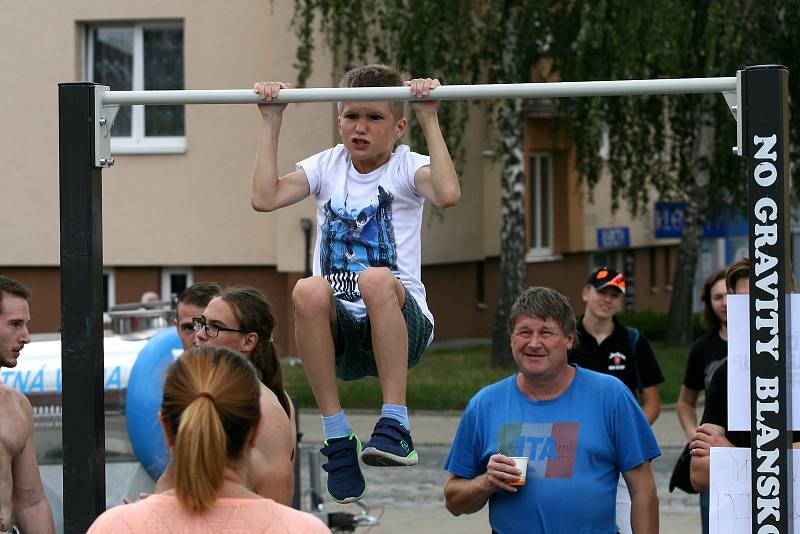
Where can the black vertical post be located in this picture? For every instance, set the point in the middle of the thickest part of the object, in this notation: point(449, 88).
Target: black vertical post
point(765, 103)
point(81, 309)
point(298, 487)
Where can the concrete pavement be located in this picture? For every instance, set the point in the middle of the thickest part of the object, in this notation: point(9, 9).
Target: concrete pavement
point(411, 500)
point(408, 500)
point(438, 428)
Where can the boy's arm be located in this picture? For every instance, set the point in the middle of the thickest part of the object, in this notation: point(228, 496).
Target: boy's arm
point(269, 191)
point(437, 182)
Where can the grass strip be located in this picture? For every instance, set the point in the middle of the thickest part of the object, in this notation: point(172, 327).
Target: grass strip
point(446, 379)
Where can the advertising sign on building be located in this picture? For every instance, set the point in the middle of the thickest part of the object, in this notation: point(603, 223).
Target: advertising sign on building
point(613, 237)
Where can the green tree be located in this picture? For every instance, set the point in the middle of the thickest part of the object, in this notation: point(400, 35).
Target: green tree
point(678, 146)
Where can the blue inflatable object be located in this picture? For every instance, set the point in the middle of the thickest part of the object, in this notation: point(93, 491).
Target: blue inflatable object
point(143, 400)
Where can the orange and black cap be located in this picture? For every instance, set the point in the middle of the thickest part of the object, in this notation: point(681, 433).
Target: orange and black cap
point(605, 277)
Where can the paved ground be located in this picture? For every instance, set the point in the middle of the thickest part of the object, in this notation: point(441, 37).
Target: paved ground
point(411, 499)
point(408, 500)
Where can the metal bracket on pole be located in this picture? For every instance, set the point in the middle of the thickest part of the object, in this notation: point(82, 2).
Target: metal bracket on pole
point(734, 101)
point(102, 128)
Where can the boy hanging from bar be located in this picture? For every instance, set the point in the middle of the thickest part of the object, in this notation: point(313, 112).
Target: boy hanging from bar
point(364, 310)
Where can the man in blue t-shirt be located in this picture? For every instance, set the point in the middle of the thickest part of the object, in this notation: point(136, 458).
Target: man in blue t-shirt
point(578, 429)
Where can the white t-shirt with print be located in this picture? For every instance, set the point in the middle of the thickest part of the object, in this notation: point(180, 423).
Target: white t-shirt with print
point(367, 220)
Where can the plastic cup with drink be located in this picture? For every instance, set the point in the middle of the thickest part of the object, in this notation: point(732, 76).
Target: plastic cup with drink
point(521, 463)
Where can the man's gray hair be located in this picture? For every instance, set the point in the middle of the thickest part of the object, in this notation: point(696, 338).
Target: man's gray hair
point(544, 303)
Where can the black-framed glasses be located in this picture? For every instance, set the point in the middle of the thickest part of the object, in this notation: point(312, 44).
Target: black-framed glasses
point(212, 330)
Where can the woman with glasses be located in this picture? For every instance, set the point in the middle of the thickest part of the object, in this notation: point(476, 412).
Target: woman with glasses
point(240, 319)
point(211, 416)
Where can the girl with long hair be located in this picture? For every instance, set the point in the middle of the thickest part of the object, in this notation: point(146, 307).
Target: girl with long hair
point(211, 416)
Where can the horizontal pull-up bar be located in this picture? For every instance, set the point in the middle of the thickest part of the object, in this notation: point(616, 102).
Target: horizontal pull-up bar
point(107, 102)
point(446, 92)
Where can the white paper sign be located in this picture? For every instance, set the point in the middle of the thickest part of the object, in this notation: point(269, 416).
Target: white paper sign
point(730, 507)
point(739, 362)
point(730, 492)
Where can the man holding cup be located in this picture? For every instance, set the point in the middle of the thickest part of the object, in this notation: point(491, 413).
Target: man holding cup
point(572, 431)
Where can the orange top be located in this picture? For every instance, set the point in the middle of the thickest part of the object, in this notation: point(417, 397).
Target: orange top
point(162, 514)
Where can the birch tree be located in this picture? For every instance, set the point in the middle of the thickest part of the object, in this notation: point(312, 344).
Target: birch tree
point(678, 147)
point(669, 148)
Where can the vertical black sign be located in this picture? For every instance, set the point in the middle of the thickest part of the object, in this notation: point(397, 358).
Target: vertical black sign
point(81, 309)
point(766, 142)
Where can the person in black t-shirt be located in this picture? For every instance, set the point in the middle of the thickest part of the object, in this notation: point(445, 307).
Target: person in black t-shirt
point(712, 431)
point(705, 356)
point(606, 346)
point(716, 412)
point(708, 351)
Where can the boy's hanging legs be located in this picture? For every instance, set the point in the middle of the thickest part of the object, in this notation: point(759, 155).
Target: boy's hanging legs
point(316, 328)
point(385, 298)
point(316, 331)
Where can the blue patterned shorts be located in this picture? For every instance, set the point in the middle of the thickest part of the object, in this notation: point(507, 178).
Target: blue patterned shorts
point(354, 355)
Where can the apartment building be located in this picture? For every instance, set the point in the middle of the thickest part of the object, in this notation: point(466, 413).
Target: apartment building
point(176, 205)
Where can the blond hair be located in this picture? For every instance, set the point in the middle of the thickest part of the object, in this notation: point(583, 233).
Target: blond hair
point(211, 405)
point(376, 75)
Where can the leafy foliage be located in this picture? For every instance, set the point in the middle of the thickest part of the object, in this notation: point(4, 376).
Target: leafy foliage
point(652, 142)
point(651, 139)
point(457, 41)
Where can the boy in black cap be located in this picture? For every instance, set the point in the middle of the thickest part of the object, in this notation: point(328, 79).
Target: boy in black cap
point(606, 346)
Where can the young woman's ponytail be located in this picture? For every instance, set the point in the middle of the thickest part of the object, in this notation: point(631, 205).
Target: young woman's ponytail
point(210, 407)
point(199, 454)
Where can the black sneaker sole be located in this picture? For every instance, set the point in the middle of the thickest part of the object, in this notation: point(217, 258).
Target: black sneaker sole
point(346, 500)
point(378, 458)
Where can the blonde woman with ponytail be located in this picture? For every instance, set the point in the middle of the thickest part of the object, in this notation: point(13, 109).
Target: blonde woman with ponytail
point(211, 417)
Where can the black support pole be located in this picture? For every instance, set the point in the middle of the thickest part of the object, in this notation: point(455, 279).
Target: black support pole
point(81, 309)
point(765, 103)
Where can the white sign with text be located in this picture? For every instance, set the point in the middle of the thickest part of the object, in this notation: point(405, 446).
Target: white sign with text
point(739, 362)
point(730, 492)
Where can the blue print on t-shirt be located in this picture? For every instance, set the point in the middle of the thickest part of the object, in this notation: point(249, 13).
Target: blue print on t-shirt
point(354, 239)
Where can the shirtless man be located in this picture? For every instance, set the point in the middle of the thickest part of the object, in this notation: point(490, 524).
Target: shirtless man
point(22, 499)
point(191, 303)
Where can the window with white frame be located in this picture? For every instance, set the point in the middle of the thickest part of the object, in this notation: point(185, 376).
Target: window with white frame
point(173, 281)
point(540, 204)
point(136, 57)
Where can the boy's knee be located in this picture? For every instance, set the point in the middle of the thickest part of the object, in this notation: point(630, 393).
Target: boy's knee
point(378, 284)
point(312, 295)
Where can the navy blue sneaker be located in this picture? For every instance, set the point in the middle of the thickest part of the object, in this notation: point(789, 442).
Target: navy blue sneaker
point(345, 482)
point(390, 445)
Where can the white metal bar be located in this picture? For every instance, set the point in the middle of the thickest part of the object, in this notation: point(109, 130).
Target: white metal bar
point(447, 92)
point(137, 82)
